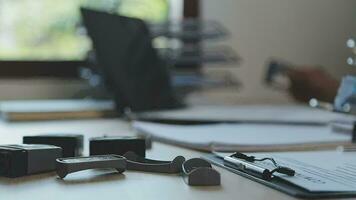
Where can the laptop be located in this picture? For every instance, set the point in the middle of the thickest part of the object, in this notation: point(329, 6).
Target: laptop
point(129, 64)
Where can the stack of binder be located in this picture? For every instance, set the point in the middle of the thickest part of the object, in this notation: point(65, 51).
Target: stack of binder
point(189, 30)
point(35, 110)
point(199, 55)
point(187, 46)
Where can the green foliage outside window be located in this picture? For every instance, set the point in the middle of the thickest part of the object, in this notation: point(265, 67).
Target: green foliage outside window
point(50, 30)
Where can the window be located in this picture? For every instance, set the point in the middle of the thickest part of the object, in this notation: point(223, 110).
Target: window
point(50, 30)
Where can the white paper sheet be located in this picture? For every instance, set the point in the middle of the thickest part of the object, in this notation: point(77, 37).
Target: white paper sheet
point(250, 113)
point(240, 135)
point(318, 171)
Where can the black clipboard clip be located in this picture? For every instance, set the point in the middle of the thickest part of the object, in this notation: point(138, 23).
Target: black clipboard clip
point(245, 163)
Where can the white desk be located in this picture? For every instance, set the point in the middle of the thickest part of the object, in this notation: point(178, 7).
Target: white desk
point(94, 185)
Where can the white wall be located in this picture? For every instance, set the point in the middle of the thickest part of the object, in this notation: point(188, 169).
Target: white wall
point(175, 9)
point(310, 32)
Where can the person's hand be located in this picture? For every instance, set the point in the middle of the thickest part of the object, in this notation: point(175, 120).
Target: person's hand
point(307, 83)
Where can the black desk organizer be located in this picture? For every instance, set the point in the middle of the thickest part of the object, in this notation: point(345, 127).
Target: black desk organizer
point(281, 185)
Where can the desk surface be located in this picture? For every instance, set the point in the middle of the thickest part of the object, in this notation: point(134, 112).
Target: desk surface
point(93, 185)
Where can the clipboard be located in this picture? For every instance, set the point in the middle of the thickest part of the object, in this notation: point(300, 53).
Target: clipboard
point(280, 184)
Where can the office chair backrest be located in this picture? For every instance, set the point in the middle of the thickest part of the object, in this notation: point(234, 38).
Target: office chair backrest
point(139, 79)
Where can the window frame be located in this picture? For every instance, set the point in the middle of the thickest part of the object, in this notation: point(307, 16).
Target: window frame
point(69, 68)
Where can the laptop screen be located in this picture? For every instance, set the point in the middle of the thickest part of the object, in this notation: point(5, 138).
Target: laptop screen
point(130, 65)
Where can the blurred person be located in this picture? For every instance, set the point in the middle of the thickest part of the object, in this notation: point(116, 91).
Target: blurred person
point(307, 83)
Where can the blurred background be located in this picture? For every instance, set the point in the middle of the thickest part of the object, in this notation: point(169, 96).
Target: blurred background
point(43, 45)
point(48, 30)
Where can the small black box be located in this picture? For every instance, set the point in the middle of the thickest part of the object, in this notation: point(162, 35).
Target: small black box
point(71, 144)
point(117, 145)
point(21, 160)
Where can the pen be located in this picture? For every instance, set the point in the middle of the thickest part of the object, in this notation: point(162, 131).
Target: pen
point(247, 167)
